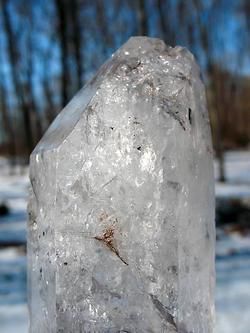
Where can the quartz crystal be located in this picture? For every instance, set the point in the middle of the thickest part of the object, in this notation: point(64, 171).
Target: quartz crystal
point(121, 213)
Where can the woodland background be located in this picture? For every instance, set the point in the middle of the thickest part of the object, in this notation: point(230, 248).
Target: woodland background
point(49, 49)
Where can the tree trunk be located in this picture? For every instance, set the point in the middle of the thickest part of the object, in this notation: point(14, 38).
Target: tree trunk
point(142, 18)
point(167, 32)
point(11, 42)
point(7, 126)
point(37, 127)
point(76, 39)
point(62, 32)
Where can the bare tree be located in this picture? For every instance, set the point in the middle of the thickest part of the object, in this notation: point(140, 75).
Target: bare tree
point(49, 107)
point(103, 27)
point(29, 93)
point(61, 9)
point(8, 125)
point(13, 58)
point(143, 29)
point(166, 24)
point(212, 76)
point(76, 28)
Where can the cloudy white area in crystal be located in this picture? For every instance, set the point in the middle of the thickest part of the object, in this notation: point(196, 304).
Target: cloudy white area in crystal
point(121, 229)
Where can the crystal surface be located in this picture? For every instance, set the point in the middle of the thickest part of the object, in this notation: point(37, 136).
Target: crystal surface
point(121, 213)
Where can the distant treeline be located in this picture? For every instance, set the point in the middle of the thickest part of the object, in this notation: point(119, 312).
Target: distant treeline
point(49, 49)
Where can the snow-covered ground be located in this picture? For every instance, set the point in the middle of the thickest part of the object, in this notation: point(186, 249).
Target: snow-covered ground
point(232, 253)
point(13, 192)
point(14, 318)
point(13, 299)
point(237, 172)
point(233, 284)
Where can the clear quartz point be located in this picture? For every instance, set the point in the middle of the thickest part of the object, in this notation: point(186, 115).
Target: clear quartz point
point(121, 213)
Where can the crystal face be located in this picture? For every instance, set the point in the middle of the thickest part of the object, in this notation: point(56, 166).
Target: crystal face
point(121, 228)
